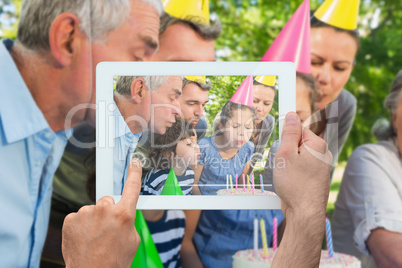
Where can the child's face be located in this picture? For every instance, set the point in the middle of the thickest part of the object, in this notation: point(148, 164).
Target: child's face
point(239, 128)
point(263, 98)
point(188, 151)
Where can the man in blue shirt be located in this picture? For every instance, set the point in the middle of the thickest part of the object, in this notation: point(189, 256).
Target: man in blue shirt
point(132, 97)
point(48, 71)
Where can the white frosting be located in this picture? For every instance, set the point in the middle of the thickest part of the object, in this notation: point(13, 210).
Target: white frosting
point(241, 191)
point(249, 259)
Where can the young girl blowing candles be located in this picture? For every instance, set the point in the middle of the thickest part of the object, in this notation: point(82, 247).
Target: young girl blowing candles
point(230, 150)
point(220, 234)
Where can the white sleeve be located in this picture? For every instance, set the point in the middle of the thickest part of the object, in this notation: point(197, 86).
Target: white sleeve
point(373, 199)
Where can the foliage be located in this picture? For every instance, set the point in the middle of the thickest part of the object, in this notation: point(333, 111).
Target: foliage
point(9, 14)
point(223, 89)
point(249, 27)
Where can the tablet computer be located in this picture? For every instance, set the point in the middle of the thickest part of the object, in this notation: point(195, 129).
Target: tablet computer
point(217, 72)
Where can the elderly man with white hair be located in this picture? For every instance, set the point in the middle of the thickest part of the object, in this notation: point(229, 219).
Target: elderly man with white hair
point(133, 98)
point(49, 70)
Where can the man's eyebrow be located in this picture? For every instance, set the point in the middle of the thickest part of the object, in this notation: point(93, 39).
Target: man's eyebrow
point(150, 42)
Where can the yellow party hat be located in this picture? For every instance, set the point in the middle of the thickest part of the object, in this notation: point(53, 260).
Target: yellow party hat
point(191, 10)
point(339, 13)
point(268, 80)
point(197, 78)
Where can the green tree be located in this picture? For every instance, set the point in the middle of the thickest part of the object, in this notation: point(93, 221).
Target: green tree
point(9, 17)
point(249, 27)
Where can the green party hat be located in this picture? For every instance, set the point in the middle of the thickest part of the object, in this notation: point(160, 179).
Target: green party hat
point(147, 255)
point(172, 186)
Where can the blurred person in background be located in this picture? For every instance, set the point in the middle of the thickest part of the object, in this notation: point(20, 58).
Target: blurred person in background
point(367, 221)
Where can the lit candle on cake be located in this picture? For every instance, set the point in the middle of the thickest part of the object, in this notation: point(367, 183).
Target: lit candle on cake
point(255, 235)
point(248, 182)
point(275, 233)
point(261, 183)
point(227, 182)
point(329, 238)
point(264, 237)
point(231, 184)
point(236, 181)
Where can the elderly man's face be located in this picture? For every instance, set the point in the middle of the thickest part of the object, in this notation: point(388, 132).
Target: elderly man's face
point(135, 40)
point(181, 43)
point(165, 105)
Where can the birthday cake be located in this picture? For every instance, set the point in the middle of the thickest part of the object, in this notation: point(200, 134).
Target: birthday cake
point(249, 259)
point(241, 191)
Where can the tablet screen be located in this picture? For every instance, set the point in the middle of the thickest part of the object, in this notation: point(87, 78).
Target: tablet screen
point(202, 131)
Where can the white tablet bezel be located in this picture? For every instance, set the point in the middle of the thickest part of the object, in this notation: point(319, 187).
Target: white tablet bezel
point(106, 71)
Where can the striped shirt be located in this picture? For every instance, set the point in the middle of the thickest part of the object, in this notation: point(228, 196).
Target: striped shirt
point(168, 232)
point(155, 180)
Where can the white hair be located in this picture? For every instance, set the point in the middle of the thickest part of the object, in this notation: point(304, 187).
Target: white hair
point(383, 129)
point(97, 18)
point(153, 83)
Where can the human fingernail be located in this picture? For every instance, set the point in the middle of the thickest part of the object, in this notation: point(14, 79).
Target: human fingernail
point(292, 119)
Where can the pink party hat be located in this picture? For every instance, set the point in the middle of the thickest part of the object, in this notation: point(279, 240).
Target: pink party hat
point(244, 94)
point(293, 42)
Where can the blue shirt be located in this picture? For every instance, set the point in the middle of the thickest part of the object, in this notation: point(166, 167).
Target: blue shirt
point(213, 176)
point(29, 155)
point(125, 144)
point(221, 233)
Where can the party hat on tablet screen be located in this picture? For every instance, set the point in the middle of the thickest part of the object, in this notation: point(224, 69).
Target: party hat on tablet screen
point(147, 255)
point(339, 13)
point(293, 42)
point(197, 78)
point(244, 94)
point(193, 10)
point(171, 186)
point(268, 80)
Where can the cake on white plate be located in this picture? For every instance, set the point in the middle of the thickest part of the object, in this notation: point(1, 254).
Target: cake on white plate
point(247, 259)
point(240, 191)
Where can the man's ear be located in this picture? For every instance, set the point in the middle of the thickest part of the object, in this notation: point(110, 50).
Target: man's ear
point(394, 120)
point(137, 90)
point(65, 38)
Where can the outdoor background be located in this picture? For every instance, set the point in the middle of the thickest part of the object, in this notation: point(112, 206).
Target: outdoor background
point(250, 26)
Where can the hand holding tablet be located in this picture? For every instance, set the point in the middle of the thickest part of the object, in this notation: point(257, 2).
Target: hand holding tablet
point(98, 235)
point(303, 186)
